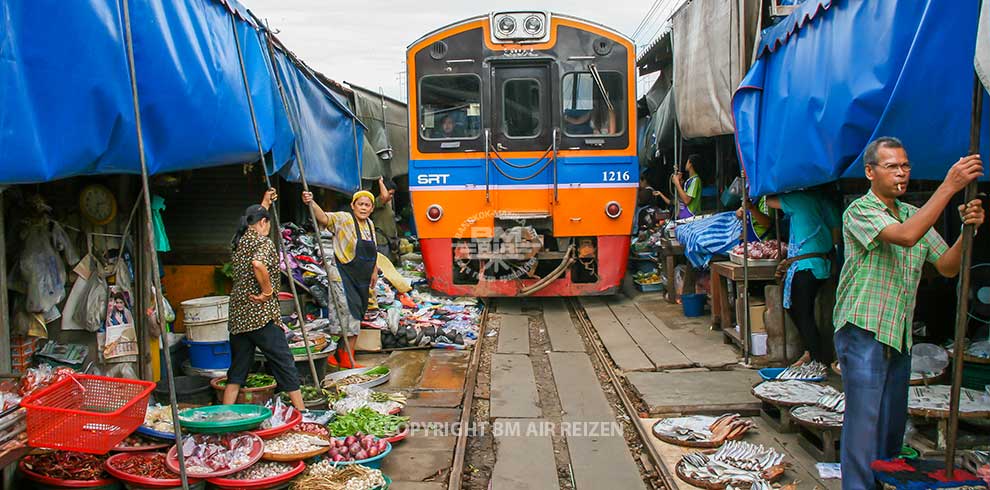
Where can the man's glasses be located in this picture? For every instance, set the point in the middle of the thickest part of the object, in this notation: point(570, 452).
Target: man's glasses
point(892, 167)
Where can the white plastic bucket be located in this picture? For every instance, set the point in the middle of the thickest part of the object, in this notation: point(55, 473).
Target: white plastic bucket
point(204, 310)
point(758, 346)
point(207, 331)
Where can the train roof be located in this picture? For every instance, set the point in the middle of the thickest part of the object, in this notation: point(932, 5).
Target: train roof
point(486, 16)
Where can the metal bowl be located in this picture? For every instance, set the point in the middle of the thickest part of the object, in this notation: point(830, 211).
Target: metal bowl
point(339, 375)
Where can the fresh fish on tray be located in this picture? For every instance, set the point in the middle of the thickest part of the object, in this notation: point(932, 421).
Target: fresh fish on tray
point(793, 392)
point(818, 415)
point(811, 370)
point(835, 402)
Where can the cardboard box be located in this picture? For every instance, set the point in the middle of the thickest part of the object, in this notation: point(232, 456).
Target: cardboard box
point(756, 310)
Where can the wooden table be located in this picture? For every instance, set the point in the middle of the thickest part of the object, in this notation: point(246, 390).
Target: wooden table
point(672, 249)
point(723, 313)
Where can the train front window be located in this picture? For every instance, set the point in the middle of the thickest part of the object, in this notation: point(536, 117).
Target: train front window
point(521, 107)
point(450, 107)
point(586, 112)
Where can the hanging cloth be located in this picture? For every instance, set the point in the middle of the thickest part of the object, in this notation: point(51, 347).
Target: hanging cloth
point(356, 274)
point(161, 239)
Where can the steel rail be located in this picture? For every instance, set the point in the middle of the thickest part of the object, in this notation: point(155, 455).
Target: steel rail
point(630, 408)
point(457, 468)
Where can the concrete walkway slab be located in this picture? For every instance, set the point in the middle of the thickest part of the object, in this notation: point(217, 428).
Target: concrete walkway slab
point(620, 345)
point(513, 392)
point(581, 395)
point(427, 415)
point(802, 467)
point(692, 336)
point(406, 368)
point(417, 485)
point(511, 306)
point(564, 336)
point(603, 462)
point(525, 461)
point(661, 351)
point(513, 334)
point(679, 392)
point(444, 399)
point(445, 370)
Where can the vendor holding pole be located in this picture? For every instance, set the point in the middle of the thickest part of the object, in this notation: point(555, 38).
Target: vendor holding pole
point(255, 321)
point(357, 255)
point(688, 193)
point(886, 244)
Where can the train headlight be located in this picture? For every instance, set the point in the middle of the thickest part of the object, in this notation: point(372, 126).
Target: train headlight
point(434, 213)
point(520, 27)
point(613, 209)
point(506, 26)
point(533, 25)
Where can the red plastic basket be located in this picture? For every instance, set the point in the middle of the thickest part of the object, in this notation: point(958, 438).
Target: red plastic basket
point(86, 413)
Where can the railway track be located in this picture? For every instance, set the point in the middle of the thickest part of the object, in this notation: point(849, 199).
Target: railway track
point(476, 465)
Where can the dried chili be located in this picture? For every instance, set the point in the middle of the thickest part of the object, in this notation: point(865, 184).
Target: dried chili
point(67, 465)
point(145, 466)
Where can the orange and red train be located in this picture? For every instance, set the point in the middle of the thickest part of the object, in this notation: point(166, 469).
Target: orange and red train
point(523, 169)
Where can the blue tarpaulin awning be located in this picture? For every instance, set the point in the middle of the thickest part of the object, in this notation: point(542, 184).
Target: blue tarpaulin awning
point(836, 74)
point(65, 94)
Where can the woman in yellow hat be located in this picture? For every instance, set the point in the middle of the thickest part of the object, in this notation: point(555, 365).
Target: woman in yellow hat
point(356, 251)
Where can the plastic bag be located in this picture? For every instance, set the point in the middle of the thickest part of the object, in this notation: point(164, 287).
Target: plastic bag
point(62, 243)
point(980, 349)
point(281, 413)
point(928, 358)
point(94, 302)
point(42, 269)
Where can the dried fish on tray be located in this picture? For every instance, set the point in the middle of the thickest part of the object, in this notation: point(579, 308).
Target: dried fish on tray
point(972, 461)
point(817, 416)
point(701, 431)
point(791, 393)
point(833, 402)
point(736, 463)
point(934, 401)
point(813, 370)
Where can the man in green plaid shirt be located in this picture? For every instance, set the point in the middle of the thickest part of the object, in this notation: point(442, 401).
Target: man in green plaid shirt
point(887, 242)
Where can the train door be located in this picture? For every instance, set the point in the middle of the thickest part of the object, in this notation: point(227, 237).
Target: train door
point(521, 121)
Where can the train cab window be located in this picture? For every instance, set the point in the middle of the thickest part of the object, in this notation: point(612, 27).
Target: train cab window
point(521, 107)
point(450, 107)
point(585, 111)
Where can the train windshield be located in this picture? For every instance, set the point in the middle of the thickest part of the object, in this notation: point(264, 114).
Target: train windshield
point(450, 107)
point(521, 107)
point(586, 111)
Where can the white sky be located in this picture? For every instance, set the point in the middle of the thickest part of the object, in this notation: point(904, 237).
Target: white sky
point(364, 41)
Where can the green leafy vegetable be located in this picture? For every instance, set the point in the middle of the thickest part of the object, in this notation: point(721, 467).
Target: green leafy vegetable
point(367, 421)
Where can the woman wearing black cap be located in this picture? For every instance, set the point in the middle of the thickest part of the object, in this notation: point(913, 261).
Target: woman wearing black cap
point(254, 314)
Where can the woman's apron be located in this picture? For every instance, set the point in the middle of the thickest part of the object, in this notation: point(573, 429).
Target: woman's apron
point(682, 210)
point(356, 274)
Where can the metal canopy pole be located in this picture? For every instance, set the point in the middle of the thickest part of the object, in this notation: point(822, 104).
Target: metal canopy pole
point(962, 305)
point(280, 247)
point(302, 178)
point(150, 232)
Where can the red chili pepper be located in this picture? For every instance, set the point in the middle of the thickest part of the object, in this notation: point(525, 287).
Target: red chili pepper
point(67, 465)
point(146, 466)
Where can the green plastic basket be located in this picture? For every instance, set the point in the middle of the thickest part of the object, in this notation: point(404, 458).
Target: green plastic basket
point(254, 416)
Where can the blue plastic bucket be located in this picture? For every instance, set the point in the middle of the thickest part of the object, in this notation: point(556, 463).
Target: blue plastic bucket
point(209, 355)
point(694, 304)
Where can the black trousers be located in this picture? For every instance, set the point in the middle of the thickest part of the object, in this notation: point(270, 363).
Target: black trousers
point(271, 340)
point(804, 290)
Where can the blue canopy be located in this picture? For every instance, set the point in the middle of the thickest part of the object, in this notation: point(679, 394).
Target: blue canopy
point(836, 74)
point(66, 102)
